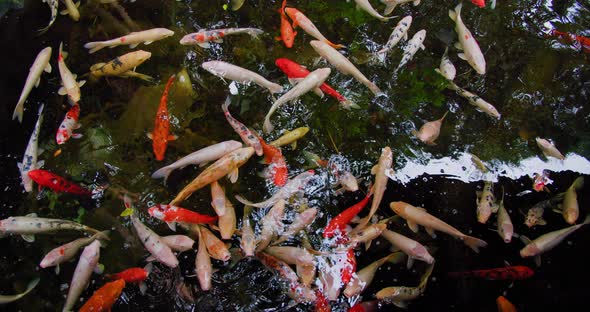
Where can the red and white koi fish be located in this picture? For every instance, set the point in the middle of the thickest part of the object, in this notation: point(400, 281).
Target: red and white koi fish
point(366, 306)
point(68, 125)
point(549, 149)
point(87, 263)
point(131, 275)
point(226, 165)
point(541, 180)
point(398, 295)
point(66, 252)
point(203, 264)
point(400, 31)
point(172, 214)
point(430, 131)
point(200, 157)
point(247, 136)
point(300, 222)
point(366, 6)
point(56, 183)
point(31, 154)
point(203, 37)
point(239, 74)
point(297, 291)
point(215, 247)
point(154, 244)
point(71, 87)
point(178, 243)
point(278, 166)
point(105, 297)
point(391, 4)
point(342, 64)
point(337, 226)
point(471, 51)
point(511, 273)
point(295, 71)
point(410, 247)
point(418, 216)
point(363, 278)
point(299, 19)
point(272, 224)
point(161, 134)
point(291, 187)
point(287, 32)
point(28, 226)
point(311, 82)
point(132, 39)
point(40, 64)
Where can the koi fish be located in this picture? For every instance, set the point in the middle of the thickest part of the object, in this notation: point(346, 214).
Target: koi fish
point(226, 165)
point(367, 306)
point(104, 298)
point(391, 4)
point(154, 244)
point(297, 291)
point(304, 261)
point(410, 247)
point(161, 134)
point(248, 242)
point(364, 277)
point(475, 100)
point(203, 37)
point(120, 65)
point(238, 74)
point(338, 223)
point(412, 47)
point(504, 305)
point(398, 295)
point(569, 207)
point(547, 241)
point(581, 42)
point(71, 9)
point(367, 235)
point(311, 82)
point(40, 64)
point(418, 216)
point(290, 137)
point(172, 214)
point(429, 131)
point(218, 200)
point(300, 222)
point(299, 19)
point(68, 125)
point(31, 153)
point(66, 252)
point(71, 87)
point(400, 31)
point(236, 4)
point(8, 299)
point(366, 6)
point(215, 247)
point(278, 165)
point(199, 157)
point(534, 215)
point(549, 149)
point(291, 187)
point(287, 32)
point(446, 68)
point(349, 267)
point(540, 181)
point(517, 272)
point(342, 64)
point(247, 136)
point(505, 227)
point(203, 265)
point(479, 3)
point(271, 224)
point(28, 226)
point(131, 275)
point(53, 4)
point(485, 201)
point(295, 71)
point(471, 51)
point(87, 263)
point(56, 183)
point(132, 39)
point(178, 243)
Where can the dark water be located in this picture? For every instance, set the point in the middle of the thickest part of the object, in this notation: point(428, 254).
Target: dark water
point(539, 85)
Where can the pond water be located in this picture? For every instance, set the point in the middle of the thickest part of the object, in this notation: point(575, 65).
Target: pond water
point(540, 86)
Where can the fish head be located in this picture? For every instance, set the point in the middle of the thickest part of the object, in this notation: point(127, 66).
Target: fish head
point(530, 250)
point(531, 218)
point(348, 181)
point(50, 259)
point(285, 65)
point(156, 212)
point(213, 67)
point(570, 215)
point(398, 207)
point(483, 213)
point(188, 39)
point(38, 175)
point(165, 33)
point(479, 64)
point(142, 55)
point(543, 143)
point(292, 12)
point(422, 254)
point(319, 46)
point(63, 134)
point(506, 230)
point(243, 154)
point(406, 20)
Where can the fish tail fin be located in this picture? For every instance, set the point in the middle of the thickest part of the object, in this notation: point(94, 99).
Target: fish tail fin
point(255, 32)
point(225, 104)
point(94, 46)
point(577, 185)
point(382, 54)
point(453, 15)
point(334, 45)
point(445, 115)
point(389, 6)
point(162, 173)
point(18, 111)
point(586, 220)
point(267, 126)
point(104, 235)
point(474, 243)
point(347, 104)
point(275, 88)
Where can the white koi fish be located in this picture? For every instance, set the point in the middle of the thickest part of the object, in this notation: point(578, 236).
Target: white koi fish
point(366, 6)
point(66, 252)
point(569, 207)
point(218, 200)
point(505, 227)
point(271, 224)
point(87, 263)
point(238, 74)
point(300, 222)
point(28, 226)
point(547, 241)
point(471, 51)
point(363, 278)
point(53, 4)
point(248, 242)
point(40, 64)
point(410, 247)
point(178, 243)
point(7, 299)
point(486, 202)
point(31, 153)
point(71, 9)
point(446, 68)
point(429, 131)
point(475, 100)
point(311, 82)
point(342, 64)
point(132, 39)
point(391, 4)
point(203, 265)
point(418, 216)
point(71, 87)
point(203, 37)
point(549, 149)
point(291, 187)
point(241, 129)
point(154, 244)
point(412, 47)
point(200, 157)
point(400, 31)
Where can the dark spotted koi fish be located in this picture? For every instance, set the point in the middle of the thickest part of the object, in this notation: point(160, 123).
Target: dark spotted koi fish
point(247, 136)
point(517, 272)
point(56, 183)
point(161, 134)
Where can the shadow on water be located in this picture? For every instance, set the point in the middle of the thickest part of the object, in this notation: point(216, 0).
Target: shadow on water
point(539, 85)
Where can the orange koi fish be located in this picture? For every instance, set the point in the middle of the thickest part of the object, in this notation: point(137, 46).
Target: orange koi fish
point(287, 32)
point(104, 297)
point(131, 275)
point(504, 305)
point(299, 19)
point(161, 134)
point(580, 42)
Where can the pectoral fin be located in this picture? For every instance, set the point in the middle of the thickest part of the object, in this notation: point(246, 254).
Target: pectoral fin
point(172, 137)
point(462, 56)
point(172, 225)
point(413, 226)
point(63, 12)
point(37, 82)
point(48, 68)
point(458, 45)
point(204, 45)
point(410, 262)
point(133, 46)
point(294, 81)
point(29, 238)
point(294, 145)
point(218, 40)
point(374, 169)
point(62, 91)
point(430, 232)
point(233, 176)
point(148, 42)
point(150, 136)
point(318, 92)
point(76, 135)
point(538, 260)
point(57, 269)
point(40, 164)
point(81, 83)
point(422, 47)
